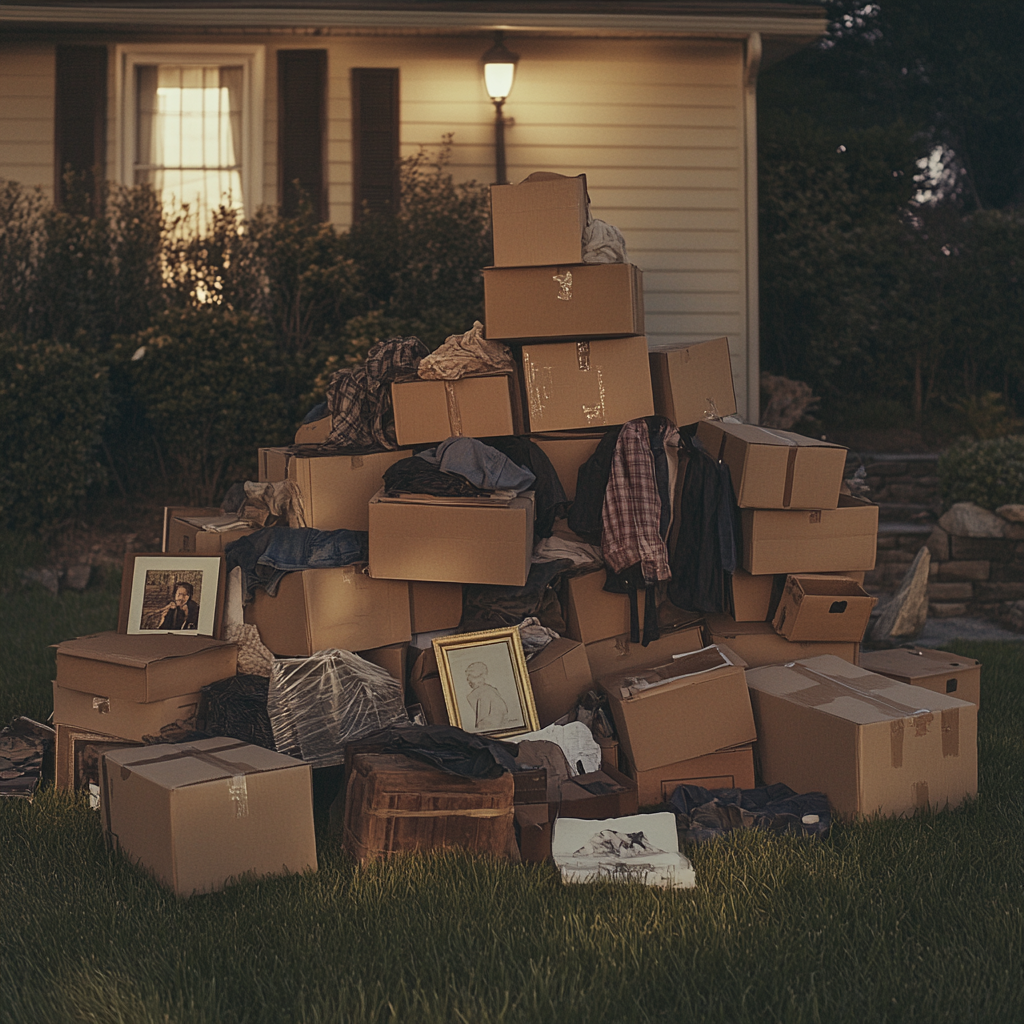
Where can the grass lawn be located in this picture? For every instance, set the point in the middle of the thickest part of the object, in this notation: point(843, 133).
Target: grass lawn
point(917, 920)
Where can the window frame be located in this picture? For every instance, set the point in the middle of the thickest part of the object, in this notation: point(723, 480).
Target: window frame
point(252, 58)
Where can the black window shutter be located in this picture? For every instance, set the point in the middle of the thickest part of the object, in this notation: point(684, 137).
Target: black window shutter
point(374, 140)
point(80, 120)
point(301, 128)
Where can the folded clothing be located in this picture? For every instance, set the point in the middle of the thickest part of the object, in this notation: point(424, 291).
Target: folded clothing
point(483, 466)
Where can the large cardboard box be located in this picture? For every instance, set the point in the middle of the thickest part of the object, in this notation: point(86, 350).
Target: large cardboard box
point(723, 769)
point(940, 671)
point(126, 719)
point(682, 717)
point(823, 608)
point(567, 452)
point(434, 606)
point(143, 668)
point(559, 676)
point(871, 744)
point(197, 815)
point(592, 613)
point(830, 540)
point(757, 643)
point(539, 221)
point(317, 609)
point(594, 301)
point(693, 382)
point(478, 405)
point(776, 468)
point(586, 383)
point(619, 654)
point(445, 541)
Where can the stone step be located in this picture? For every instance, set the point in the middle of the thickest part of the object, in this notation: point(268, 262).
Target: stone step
point(898, 528)
point(868, 457)
point(905, 511)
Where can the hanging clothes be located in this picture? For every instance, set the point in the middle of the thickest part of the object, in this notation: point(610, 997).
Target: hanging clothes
point(591, 484)
point(549, 495)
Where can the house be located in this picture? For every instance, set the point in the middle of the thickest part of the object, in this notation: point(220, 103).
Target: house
point(654, 99)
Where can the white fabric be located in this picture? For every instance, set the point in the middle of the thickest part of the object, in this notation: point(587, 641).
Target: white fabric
point(577, 743)
point(603, 243)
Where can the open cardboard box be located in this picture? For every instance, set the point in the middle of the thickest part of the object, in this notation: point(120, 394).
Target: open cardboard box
point(619, 654)
point(757, 643)
point(732, 768)
point(539, 221)
point(823, 608)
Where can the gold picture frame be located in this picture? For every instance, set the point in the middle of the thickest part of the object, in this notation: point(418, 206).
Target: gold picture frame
point(485, 682)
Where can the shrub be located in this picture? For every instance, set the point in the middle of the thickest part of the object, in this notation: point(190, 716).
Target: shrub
point(990, 473)
point(53, 403)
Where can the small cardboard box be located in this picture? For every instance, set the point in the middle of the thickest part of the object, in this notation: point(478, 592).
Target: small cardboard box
point(749, 598)
point(587, 383)
point(198, 815)
point(940, 671)
point(425, 685)
point(723, 769)
point(834, 540)
point(445, 541)
point(619, 654)
point(577, 802)
point(776, 468)
point(757, 643)
point(559, 676)
point(126, 719)
point(567, 452)
point(592, 613)
point(693, 382)
point(600, 300)
point(871, 744)
point(477, 405)
point(143, 668)
point(317, 609)
point(272, 464)
point(823, 608)
point(682, 717)
point(393, 658)
point(171, 540)
point(188, 539)
point(434, 606)
point(539, 221)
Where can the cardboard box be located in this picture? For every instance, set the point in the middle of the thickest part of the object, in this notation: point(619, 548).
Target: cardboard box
point(272, 464)
point(315, 432)
point(618, 654)
point(200, 814)
point(187, 539)
point(171, 540)
point(559, 676)
point(940, 671)
point(600, 300)
point(586, 383)
point(871, 744)
point(776, 468)
point(126, 719)
point(823, 608)
point(831, 540)
point(449, 542)
point(693, 382)
point(539, 221)
point(434, 606)
point(393, 658)
point(317, 609)
point(749, 598)
point(577, 802)
point(567, 452)
point(592, 613)
point(723, 769)
point(682, 718)
point(425, 684)
point(143, 668)
point(478, 405)
point(757, 643)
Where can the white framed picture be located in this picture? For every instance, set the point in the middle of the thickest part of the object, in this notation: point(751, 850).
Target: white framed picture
point(164, 593)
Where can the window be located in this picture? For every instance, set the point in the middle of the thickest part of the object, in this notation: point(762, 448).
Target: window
point(375, 129)
point(192, 125)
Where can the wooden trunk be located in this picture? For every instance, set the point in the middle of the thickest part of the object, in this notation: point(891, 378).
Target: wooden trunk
point(394, 804)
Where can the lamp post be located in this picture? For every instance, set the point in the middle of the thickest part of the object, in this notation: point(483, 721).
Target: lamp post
point(499, 71)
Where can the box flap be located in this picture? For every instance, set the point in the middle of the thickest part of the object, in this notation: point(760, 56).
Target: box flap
point(137, 651)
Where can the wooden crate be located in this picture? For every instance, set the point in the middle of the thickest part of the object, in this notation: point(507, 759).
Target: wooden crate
point(394, 804)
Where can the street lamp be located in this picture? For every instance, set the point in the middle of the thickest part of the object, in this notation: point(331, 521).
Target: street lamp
point(499, 71)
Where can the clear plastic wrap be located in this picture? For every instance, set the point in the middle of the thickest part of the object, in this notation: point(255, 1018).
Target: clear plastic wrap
point(318, 704)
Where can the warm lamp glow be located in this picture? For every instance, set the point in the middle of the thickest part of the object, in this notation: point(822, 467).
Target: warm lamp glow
point(499, 69)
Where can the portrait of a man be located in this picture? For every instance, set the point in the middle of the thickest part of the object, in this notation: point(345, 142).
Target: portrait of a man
point(490, 710)
point(182, 612)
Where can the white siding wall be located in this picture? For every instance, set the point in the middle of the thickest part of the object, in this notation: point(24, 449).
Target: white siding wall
point(26, 114)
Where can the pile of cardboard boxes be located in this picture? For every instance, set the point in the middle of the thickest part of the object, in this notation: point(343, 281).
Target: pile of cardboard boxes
point(774, 679)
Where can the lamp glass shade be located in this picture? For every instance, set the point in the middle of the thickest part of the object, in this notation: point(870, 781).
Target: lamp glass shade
point(498, 78)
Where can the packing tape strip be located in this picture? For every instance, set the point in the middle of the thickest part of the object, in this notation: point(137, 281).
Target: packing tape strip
point(950, 725)
point(238, 790)
point(833, 687)
point(233, 768)
point(454, 415)
point(465, 812)
point(583, 355)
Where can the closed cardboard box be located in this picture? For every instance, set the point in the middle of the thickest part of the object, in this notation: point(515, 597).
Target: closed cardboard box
point(749, 597)
point(757, 643)
point(393, 658)
point(567, 452)
point(776, 468)
point(434, 606)
point(478, 405)
point(443, 541)
point(594, 301)
point(871, 744)
point(693, 382)
point(200, 814)
point(539, 221)
point(723, 769)
point(619, 654)
point(143, 668)
point(188, 538)
point(317, 609)
point(592, 613)
point(559, 676)
point(940, 671)
point(126, 719)
point(823, 608)
point(173, 524)
point(830, 540)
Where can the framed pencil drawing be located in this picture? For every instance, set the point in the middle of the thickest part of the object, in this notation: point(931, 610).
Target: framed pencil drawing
point(485, 682)
point(172, 593)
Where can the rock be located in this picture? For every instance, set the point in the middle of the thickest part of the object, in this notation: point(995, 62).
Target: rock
point(965, 519)
point(904, 617)
point(938, 544)
point(77, 577)
point(1011, 513)
point(49, 579)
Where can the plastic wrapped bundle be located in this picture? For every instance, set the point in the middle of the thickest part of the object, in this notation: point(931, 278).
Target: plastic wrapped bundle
point(319, 704)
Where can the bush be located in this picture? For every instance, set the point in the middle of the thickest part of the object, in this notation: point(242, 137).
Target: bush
point(53, 403)
point(990, 473)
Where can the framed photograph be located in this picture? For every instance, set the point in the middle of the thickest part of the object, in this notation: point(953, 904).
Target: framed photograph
point(78, 755)
point(172, 593)
point(485, 682)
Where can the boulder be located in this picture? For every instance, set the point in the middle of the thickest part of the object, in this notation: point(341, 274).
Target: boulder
point(1011, 513)
point(965, 519)
point(904, 617)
